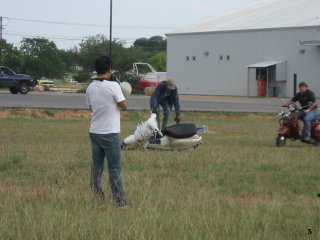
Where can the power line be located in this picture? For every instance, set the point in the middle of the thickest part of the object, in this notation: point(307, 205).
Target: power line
point(43, 35)
point(87, 24)
point(34, 36)
point(72, 38)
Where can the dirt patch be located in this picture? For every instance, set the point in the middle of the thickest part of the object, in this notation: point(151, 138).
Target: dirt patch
point(263, 116)
point(69, 90)
point(86, 114)
point(44, 113)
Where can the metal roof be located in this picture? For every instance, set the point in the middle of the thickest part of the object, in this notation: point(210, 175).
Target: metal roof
point(265, 64)
point(262, 14)
point(310, 42)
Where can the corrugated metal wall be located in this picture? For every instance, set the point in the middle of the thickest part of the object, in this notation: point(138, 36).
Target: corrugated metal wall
point(194, 61)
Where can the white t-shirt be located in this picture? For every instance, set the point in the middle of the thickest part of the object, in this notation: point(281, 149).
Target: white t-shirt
point(103, 97)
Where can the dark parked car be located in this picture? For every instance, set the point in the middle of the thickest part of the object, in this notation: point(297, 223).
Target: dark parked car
point(15, 82)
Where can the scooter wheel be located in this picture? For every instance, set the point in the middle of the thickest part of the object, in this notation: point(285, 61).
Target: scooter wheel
point(281, 140)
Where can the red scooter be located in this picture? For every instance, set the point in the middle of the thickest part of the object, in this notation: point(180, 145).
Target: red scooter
point(290, 128)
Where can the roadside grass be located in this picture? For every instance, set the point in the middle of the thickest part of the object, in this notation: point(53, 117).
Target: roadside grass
point(64, 84)
point(234, 186)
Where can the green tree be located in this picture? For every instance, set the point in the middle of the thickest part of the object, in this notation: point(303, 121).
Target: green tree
point(11, 57)
point(89, 49)
point(96, 46)
point(42, 58)
point(69, 57)
point(152, 45)
point(159, 62)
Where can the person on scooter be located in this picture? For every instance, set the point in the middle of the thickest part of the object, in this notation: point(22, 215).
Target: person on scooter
point(309, 108)
point(166, 95)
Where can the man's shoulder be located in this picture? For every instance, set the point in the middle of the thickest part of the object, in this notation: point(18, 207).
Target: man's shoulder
point(163, 83)
point(299, 94)
point(109, 85)
point(310, 92)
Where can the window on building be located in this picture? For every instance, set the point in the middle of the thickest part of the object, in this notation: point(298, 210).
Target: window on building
point(194, 58)
point(187, 58)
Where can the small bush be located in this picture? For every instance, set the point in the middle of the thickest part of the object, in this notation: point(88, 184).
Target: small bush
point(83, 89)
point(49, 112)
point(16, 111)
point(46, 88)
point(82, 77)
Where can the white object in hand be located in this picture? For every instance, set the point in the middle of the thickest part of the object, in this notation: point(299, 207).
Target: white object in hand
point(126, 89)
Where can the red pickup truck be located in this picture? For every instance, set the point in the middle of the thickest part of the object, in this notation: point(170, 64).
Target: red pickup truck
point(148, 75)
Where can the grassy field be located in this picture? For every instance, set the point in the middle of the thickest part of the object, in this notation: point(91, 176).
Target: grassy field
point(234, 186)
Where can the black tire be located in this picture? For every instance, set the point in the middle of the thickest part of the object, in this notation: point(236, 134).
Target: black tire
point(24, 88)
point(281, 140)
point(14, 90)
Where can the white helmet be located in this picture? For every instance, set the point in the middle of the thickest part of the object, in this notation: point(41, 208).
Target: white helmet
point(126, 89)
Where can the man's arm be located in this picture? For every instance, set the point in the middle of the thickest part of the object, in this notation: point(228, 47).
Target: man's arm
point(288, 103)
point(154, 97)
point(313, 105)
point(119, 98)
point(123, 105)
point(176, 102)
point(291, 101)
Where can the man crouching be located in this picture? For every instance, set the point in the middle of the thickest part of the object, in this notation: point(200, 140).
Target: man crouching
point(105, 100)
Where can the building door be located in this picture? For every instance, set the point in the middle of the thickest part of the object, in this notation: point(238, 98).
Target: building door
point(271, 76)
point(258, 82)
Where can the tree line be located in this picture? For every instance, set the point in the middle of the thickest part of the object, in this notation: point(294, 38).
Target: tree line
point(41, 57)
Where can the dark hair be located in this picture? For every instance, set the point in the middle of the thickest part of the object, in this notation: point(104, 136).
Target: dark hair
point(303, 84)
point(103, 65)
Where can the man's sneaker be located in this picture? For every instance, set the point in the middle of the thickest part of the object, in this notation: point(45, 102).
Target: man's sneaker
point(123, 204)
point(307, 139)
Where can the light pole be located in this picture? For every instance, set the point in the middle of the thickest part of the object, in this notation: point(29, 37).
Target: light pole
point(1, 40)
point(110, 43)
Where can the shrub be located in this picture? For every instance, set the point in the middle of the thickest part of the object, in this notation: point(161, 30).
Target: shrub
point(83, 89)
point(49, 112)
point(82, 76)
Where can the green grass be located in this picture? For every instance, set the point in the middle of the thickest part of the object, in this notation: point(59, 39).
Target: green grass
point(234, 186)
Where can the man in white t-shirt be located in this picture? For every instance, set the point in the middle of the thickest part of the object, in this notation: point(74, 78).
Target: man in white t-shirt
point(105, 100)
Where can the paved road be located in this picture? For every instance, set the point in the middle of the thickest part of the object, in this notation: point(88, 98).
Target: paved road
point(188, 103)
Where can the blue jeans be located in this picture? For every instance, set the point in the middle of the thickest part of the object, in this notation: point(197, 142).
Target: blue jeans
point(167, 113)
point(107, 146)
point(307, 118)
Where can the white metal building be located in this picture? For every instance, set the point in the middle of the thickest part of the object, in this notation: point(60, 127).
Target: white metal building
point(226, 54)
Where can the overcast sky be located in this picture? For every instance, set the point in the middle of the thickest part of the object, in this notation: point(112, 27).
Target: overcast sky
point(131, 19)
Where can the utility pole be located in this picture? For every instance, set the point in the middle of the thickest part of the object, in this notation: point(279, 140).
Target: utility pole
point(110, 46)
point(1, 27)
